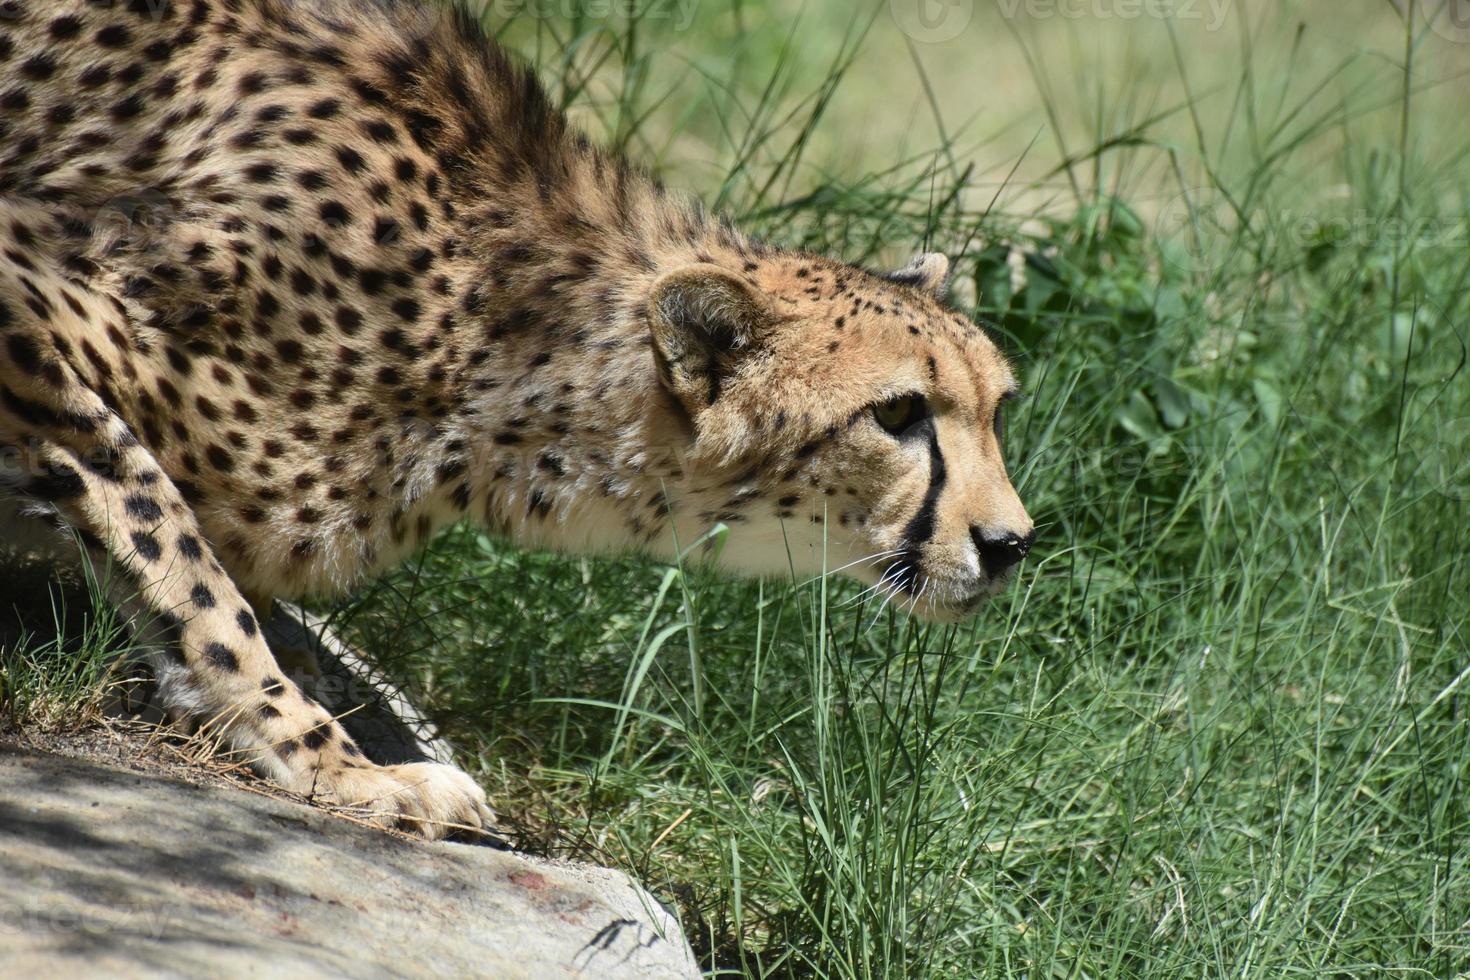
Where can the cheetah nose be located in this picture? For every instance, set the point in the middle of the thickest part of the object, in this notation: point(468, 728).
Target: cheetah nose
point(1001, 552)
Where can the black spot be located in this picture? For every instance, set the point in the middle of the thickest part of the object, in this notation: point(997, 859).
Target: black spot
point(222, 657)
point(114, 36)
point(372, 281)
point(143, 508)
point(272, 687)
point(351, 160)
point(128, 108)
point(59, 482)
point(247, 622)
point(201, 596)
point(95, 77)
point(39, 67)
point(190, 548)
point(333, 213)
point(24, 352)
point(146, 545)
point(316, 738)
point(386, 231)
point(247, 140)
point(348, 319)
point(252, 83)
point(220, 458)
point(380, 130)
point(325, 109)
point(16, 100)
point(65, 28)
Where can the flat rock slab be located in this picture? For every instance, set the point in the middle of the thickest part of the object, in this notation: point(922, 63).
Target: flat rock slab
point(109, 872)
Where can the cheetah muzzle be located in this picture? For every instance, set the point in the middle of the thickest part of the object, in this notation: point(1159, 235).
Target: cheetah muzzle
point(287, 286)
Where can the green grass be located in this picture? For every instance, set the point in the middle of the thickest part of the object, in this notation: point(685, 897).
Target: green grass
point(1219, 726)
point(59, 641)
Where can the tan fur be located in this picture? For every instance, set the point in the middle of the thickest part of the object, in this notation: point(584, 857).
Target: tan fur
point(303, 282)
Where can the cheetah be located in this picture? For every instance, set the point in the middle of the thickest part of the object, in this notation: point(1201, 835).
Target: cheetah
point(288, 285)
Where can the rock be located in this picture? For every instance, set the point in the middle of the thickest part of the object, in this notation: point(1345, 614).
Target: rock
point(119, 873)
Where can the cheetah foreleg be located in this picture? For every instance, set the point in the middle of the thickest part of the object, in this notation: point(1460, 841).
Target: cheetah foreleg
point(74, 453)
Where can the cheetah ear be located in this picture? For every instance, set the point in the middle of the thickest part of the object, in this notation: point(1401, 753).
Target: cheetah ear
point(704, 318)
point(928, 272)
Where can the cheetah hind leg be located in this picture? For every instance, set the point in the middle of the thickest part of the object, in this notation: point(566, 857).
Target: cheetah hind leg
point(84, 460)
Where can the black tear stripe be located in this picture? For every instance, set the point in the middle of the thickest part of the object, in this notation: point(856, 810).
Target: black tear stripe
point(921, 527)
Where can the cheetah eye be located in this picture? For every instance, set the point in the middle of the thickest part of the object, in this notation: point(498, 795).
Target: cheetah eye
point(901, 414)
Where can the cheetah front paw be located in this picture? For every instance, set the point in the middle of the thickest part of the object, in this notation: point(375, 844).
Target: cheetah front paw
point(426, 799)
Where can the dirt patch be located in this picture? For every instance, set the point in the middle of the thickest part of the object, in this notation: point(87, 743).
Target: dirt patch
point(142, 748)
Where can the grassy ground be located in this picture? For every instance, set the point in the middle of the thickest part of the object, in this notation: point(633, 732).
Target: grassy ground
point(1220, 725)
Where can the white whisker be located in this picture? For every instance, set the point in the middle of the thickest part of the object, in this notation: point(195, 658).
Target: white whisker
point(893, 571)
point(914, 602)
point(861, 561)
point(893, 590)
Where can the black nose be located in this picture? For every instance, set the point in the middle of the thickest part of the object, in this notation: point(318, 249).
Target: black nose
point(1001, 552)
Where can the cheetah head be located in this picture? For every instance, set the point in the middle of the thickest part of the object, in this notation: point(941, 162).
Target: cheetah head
point(845, 420)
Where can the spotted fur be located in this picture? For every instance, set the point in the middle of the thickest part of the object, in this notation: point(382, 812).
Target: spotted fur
point(287, 286)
